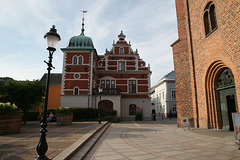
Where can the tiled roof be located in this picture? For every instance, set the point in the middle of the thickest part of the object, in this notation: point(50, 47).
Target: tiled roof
point(55, 79)
point(169, 75)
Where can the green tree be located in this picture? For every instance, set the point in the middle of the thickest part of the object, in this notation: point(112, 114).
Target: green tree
point(25, 94)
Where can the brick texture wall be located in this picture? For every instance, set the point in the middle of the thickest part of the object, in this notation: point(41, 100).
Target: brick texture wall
point(195, 53)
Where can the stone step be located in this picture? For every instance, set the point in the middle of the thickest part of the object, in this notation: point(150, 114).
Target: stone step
point(83, 145)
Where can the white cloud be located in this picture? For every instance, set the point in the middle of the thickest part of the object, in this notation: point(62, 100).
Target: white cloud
point(150, 26)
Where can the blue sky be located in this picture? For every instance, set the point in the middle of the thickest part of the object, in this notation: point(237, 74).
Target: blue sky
point(150, 26)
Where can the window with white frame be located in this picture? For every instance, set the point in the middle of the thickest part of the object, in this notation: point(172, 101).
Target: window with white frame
point(121, 65)
point(174, 108)
point(108, 83)
point(132, 86)
point(80, 60)
point(173, 94)
point(102, 83)
point(113, 84)
point(75, 60)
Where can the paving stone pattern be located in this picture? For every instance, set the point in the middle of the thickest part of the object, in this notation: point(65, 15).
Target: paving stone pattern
point(22, 146)
point(155, 141)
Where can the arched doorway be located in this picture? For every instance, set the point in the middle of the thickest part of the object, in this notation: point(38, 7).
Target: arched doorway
point(220, 95)
point(227, 97)
point(106, 105)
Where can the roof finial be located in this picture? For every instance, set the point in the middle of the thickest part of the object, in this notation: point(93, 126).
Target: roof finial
point(83, 21)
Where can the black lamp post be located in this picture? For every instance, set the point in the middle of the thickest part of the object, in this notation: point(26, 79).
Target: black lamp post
point(52, 38)
point(99, 106)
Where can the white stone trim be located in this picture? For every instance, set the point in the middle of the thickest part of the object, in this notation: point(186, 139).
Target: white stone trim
point(76, 79)
point(106, 63)
point(75, 75)
point(76, 72)
point(63, 73)
point(78, 89)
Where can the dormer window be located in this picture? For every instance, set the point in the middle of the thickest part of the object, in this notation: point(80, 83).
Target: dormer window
point(210, 21)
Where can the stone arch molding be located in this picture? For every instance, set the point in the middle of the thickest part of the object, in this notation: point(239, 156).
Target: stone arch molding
point(212, 96)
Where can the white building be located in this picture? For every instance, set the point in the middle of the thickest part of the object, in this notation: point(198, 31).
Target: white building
point(163, 95)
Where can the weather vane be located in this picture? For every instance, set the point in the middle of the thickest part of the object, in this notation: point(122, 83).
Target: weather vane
point(83, 14)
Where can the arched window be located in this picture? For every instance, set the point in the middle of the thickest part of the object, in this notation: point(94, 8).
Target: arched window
point(132, 109)
point(80, 60)
point(75, 60)
point(206, 23)
point(76, 91)
point(121, 50)
point(210, 21)
point(213, 17)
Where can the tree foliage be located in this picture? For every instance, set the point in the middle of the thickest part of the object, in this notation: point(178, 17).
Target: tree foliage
point(25, 94)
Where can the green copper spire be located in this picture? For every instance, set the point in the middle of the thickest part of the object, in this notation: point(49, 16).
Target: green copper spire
point(82, 34)
point(81, 41)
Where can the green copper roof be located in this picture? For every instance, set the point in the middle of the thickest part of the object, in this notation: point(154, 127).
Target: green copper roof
point(80, 42)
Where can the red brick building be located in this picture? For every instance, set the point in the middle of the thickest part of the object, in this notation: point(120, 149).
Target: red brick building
point(120, 72)
point(207, 62)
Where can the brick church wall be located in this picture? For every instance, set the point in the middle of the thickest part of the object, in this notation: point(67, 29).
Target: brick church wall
point(223, 44)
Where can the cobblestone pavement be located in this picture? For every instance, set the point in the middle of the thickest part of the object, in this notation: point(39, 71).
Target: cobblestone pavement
point(163, 140)
point(22, 146)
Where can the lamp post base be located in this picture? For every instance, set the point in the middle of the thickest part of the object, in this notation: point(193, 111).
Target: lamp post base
point(99, 119)
point(43, 158)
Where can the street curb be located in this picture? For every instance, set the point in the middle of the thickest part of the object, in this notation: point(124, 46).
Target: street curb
point(67, 153)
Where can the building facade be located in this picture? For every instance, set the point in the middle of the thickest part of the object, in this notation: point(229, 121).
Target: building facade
point(120, 72)
point(207, 62)
point(163, 96)
point(54, 94)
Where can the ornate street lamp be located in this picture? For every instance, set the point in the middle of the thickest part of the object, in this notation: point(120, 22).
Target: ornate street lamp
point(100, 90)
point(52, 38)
